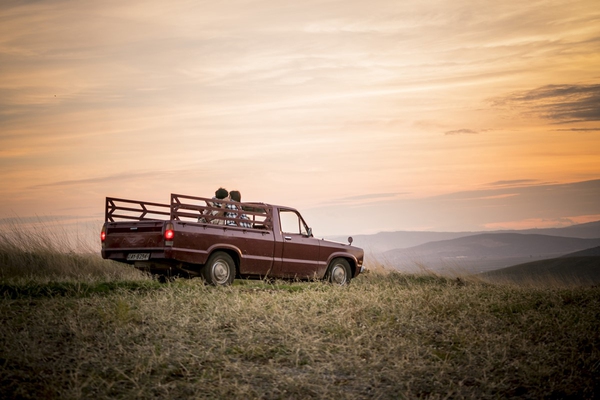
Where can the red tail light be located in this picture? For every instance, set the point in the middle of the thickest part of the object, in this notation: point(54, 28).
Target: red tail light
point(103, 234)
point(169, 232)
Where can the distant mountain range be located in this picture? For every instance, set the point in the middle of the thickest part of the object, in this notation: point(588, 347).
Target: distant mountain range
point(475, 252)
point(484, 252)
point(384, 241)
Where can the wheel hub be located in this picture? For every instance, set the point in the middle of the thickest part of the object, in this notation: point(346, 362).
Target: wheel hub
point(220, 272)
point(338, 275)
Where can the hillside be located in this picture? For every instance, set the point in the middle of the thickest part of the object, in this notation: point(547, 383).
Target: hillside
point(588, 230)
point(484, 252)
point(564, 271)
point(77, 326)
point(578, 268)
point(593, 252)
point(388, 336)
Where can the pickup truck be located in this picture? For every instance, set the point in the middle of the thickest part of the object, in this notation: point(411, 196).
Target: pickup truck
point(222, 240)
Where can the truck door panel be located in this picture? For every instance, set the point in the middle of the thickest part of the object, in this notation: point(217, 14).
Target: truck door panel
point(257, 253)
point(300, 256)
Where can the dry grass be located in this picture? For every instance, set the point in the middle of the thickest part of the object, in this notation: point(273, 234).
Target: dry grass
point(383, 337)
point(387, 335)
point(48, 253)
point(558, 272)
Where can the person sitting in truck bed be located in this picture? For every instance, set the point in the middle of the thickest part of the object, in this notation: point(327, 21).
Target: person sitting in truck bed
point(214, 216)
point(236, 196)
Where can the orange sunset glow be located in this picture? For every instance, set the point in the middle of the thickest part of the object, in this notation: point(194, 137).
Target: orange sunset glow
point(366, 116)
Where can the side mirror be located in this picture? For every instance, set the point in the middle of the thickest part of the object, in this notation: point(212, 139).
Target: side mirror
point(309, 232)
point(350, 240)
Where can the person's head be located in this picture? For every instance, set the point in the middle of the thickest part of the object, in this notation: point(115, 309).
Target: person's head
point(221, 194)
point(235, 195)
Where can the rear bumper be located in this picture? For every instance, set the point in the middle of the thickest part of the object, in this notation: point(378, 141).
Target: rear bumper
point(160, 253)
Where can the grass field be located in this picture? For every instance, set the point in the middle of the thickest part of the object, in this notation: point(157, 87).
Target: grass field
point(76, 326)
point(565, 272)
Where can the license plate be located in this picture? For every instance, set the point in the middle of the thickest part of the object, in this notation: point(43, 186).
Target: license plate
point(138, 256)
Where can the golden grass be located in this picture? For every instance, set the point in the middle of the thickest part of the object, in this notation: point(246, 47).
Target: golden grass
point(558, 272)
point(48, 253)
point(387, 335)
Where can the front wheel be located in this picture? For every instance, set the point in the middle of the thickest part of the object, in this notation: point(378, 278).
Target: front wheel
point(219, 270)
point(339, 272)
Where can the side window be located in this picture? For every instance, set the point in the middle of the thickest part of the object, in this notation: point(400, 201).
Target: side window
point(292, 223)
point(289, 222)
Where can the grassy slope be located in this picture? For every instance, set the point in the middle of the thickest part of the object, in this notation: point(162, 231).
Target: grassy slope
point(46, 255)
point(70, 330)
point(565, 271)
point(388, 336)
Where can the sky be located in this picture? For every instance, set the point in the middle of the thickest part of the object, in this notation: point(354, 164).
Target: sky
point(366, 116)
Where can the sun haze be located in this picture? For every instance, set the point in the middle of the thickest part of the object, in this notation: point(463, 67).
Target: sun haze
point(366, 116)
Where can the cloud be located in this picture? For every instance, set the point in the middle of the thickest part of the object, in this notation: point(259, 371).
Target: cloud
point(284, 100)
point(364, 199)
point(462, 132)
point(372, 196)
point(485, 208)
point(532, 194)
point(579, 130)
point(540, 223)
point(103, 179)
point(515, 182)
point(558, 103)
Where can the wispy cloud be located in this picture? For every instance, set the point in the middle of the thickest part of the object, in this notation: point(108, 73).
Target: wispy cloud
point(364, 199)
point(514, 182)
point(579, 130)
point(300, 102)
point(558, 103)
point(540, 223)
point(103, 179)
point(543, 205)
point(372, 196)
point(462, 132)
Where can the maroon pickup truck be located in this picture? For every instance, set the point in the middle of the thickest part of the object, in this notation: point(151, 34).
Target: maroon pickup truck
point(222, 240)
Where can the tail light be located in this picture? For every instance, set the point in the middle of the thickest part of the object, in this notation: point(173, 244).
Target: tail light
point(169, 232)
point(103, 234)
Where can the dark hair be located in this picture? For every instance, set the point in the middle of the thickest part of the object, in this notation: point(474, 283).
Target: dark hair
point(221, 193)
point(235, 195)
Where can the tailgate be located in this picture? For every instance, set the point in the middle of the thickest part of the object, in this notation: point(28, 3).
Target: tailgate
point(133, 241)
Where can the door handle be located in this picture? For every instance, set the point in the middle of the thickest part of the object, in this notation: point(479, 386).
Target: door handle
point(287, 237)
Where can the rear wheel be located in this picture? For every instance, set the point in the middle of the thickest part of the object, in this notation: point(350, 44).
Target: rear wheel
point(219, 270)
point(339, 272)
point(162, 278)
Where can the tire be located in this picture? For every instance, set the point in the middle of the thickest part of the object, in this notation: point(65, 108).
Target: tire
point(219, 270)
point(162, 278)
point(339, 272)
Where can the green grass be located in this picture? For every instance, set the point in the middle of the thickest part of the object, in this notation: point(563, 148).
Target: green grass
point(88, 334)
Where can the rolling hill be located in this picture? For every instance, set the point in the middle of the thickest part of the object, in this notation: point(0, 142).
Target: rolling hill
point(578, 268)
point(593, 252)
point(483, 252)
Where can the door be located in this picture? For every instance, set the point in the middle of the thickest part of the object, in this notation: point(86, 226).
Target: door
point(300, 250)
